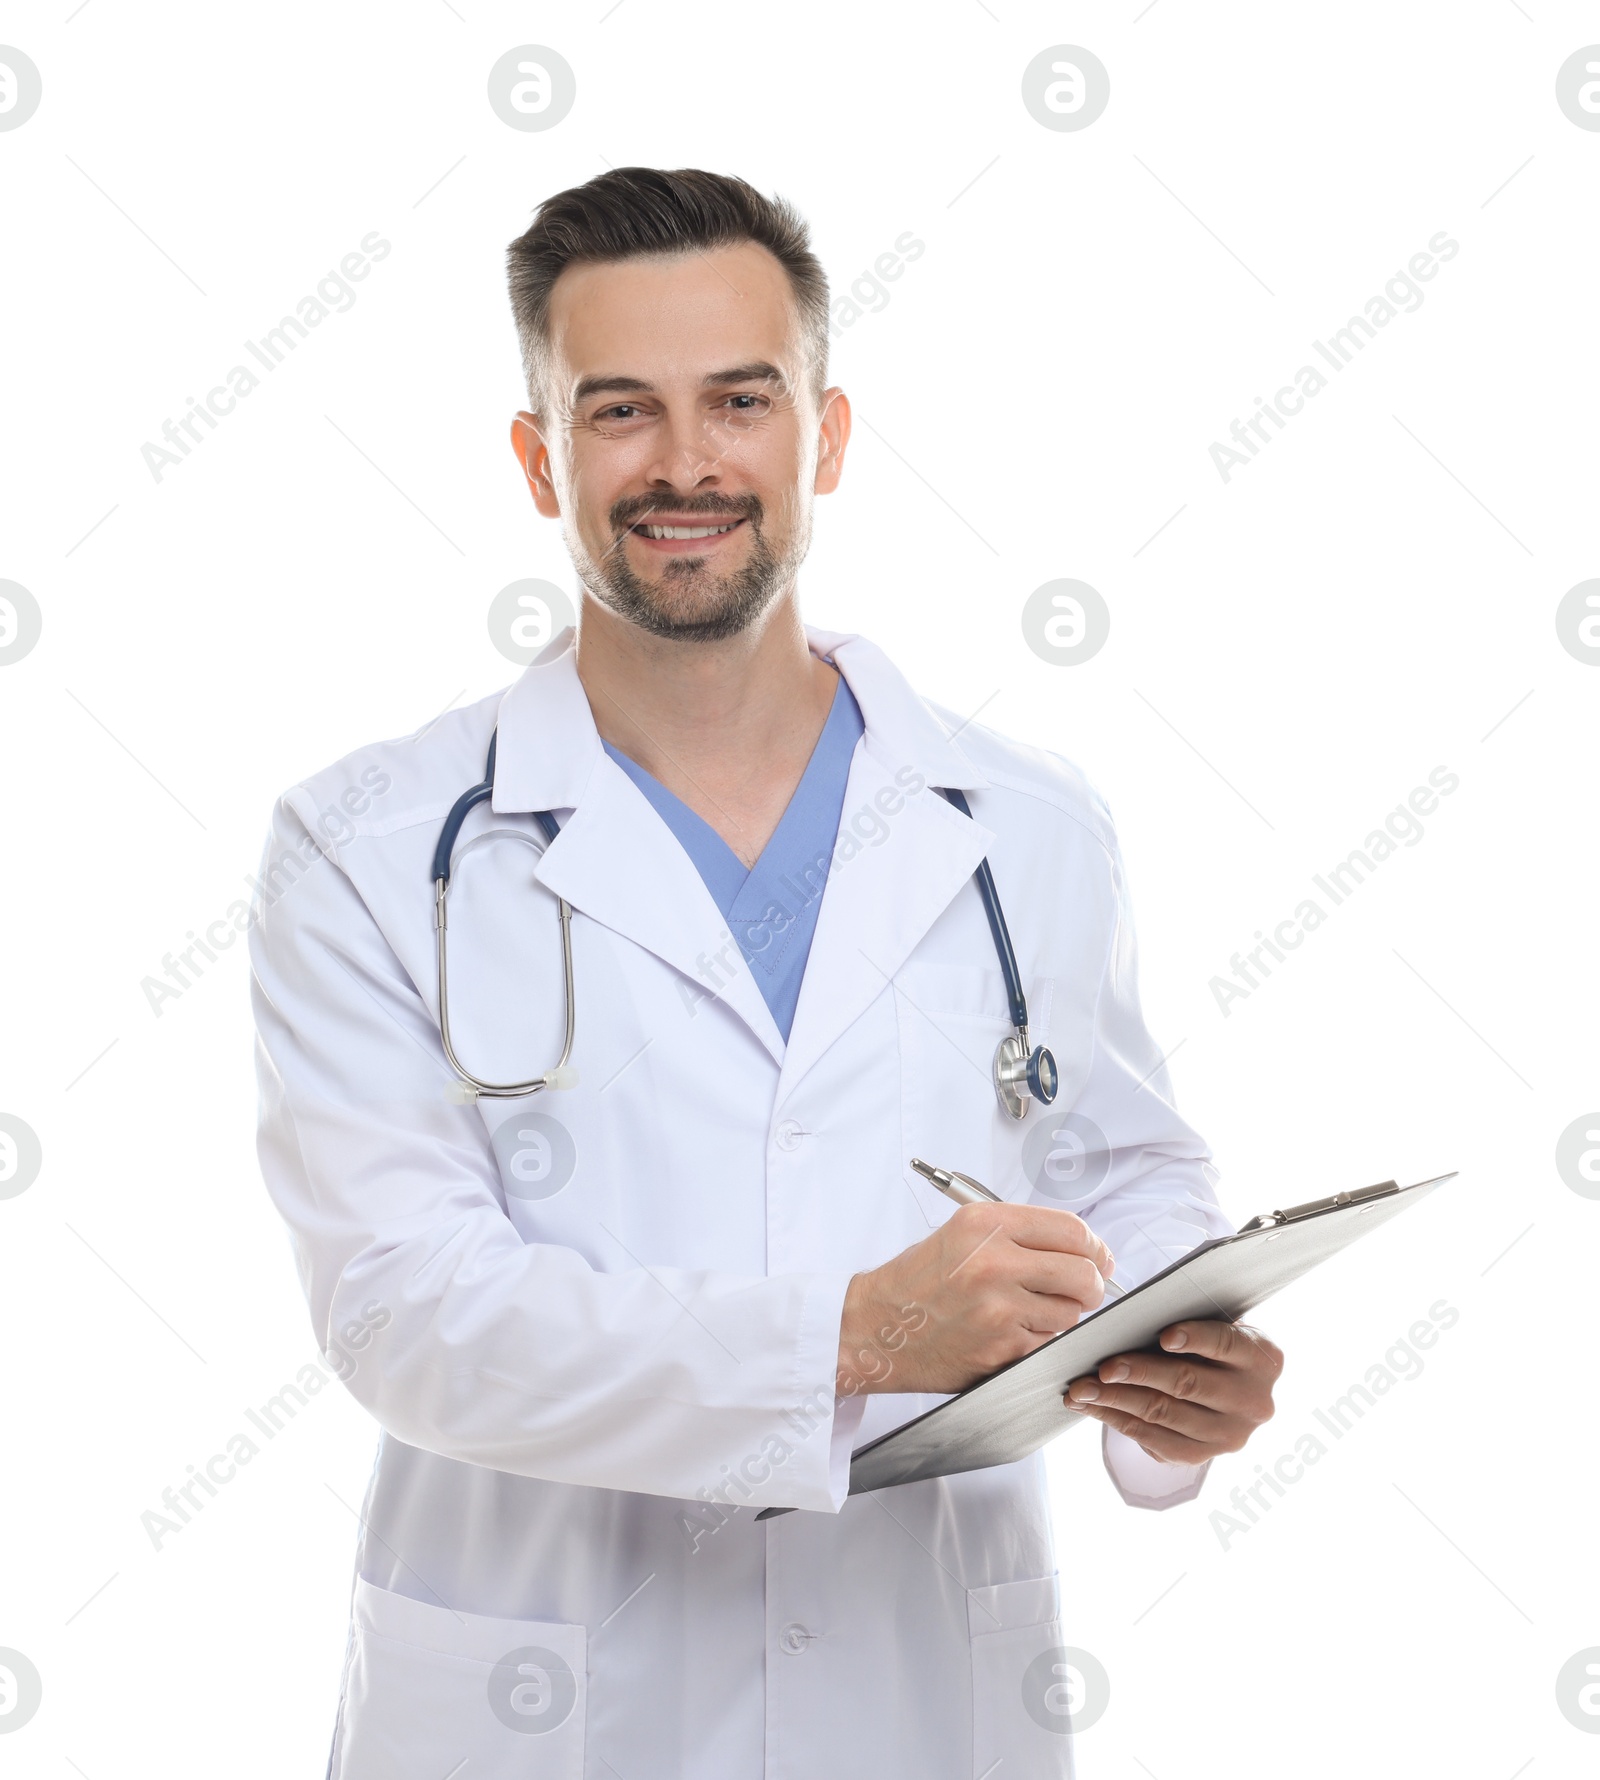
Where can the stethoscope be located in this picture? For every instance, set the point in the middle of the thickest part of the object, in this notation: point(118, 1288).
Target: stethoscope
point(1022, 1071)
point(471, 1087)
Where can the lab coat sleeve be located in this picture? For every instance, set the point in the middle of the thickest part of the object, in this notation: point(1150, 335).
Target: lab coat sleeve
point(1147, 1185)
point(458, 1335)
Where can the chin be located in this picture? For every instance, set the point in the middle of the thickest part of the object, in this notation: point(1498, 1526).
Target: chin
point(689, 604)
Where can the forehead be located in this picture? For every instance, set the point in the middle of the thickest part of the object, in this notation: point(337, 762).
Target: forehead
point(680, 315)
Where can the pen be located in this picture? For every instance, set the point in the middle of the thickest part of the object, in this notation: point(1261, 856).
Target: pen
point(960, 1187)
point(966, 1191)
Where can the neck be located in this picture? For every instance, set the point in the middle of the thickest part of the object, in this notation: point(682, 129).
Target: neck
point(727, 726)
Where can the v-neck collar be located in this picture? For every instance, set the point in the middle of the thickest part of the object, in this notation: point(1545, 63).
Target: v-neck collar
point(618, 864)
point(786, 854)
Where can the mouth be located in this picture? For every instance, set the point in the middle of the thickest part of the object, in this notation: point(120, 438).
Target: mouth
point(685, 537)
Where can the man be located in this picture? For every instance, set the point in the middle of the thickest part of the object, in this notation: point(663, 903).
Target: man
point(603, 1324)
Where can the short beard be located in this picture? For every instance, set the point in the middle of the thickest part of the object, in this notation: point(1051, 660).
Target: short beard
point(727, 606)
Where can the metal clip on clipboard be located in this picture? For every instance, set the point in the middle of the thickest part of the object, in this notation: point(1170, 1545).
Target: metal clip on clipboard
point(1313, 1206)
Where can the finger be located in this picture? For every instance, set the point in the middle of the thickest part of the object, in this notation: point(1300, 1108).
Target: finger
point(1155, 1410)
point(1042, 1314)
point(1228, 1344)
point(1061, 1276)
point(1160, 1443)
point(1223, 1388)
point(1046, 1227)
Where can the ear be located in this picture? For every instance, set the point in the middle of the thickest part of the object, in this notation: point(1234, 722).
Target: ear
point(833, 435)
point(528, 442)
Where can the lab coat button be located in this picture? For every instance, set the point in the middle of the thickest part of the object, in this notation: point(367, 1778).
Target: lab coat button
point(788, 1135)
point(794, 1639)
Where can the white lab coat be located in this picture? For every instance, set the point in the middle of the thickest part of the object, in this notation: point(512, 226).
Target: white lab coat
point(585, 1319)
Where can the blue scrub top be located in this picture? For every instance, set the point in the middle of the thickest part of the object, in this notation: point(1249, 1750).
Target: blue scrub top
point(771, 909)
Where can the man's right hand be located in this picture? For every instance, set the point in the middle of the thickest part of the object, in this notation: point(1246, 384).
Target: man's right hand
point(991, 1284)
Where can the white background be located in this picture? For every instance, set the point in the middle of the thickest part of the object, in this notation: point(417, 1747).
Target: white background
point(1294, 652)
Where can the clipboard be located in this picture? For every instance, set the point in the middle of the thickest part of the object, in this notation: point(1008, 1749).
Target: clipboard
point(1015, 1411)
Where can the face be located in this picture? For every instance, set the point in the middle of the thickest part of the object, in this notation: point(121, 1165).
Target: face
point(681, 443)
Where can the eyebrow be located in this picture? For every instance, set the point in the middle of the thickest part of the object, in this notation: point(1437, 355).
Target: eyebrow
point(759, 371)
point(609, 383)
point(614, 383)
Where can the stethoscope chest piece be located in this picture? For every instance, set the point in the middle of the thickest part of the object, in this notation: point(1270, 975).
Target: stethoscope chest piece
point(1022, 1074)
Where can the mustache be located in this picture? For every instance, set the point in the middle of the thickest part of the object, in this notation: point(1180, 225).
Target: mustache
point(627, 513)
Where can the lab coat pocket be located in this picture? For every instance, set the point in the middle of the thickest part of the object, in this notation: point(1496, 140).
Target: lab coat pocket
point(1023, 1682)
point(951, 1020)
point(431, 1692)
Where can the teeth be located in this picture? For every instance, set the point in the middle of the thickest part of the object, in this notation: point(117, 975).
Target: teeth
point(688, 531)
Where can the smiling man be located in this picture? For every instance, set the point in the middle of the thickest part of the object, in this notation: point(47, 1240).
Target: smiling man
point(605, 1312)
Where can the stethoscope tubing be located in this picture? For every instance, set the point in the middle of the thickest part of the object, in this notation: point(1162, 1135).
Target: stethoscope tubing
point(445, 846)
point(997, 927)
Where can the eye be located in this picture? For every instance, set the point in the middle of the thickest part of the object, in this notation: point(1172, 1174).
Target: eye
point(617, 420)
point(745, 404)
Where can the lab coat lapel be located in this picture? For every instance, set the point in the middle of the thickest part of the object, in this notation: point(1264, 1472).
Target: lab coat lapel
point(617, 862)
point(900, 859)
point(614, 860)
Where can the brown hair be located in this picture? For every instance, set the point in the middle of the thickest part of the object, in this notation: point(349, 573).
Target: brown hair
point(630, 212)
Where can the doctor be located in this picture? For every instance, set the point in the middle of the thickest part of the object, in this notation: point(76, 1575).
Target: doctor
point(603, 1323)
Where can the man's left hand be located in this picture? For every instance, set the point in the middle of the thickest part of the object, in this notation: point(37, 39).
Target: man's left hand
point(1206, 1392)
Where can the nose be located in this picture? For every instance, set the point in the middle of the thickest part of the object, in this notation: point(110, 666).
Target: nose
point(689, 458)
